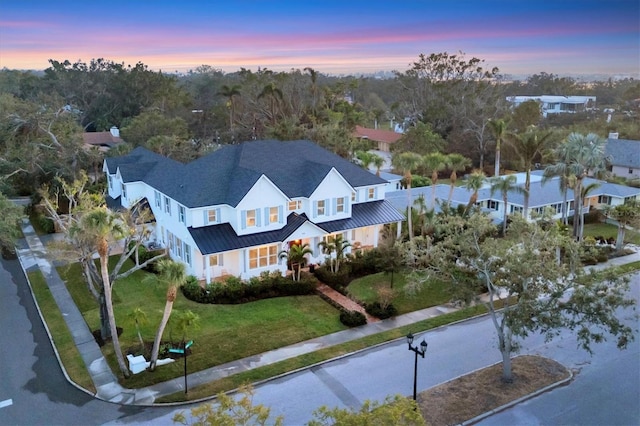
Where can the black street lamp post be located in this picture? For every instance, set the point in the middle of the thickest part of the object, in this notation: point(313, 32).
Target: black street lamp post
point(418, 351)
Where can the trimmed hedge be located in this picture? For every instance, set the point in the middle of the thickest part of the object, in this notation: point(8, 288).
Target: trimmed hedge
point(352, 318)
point(235, 291)
point(376, 310)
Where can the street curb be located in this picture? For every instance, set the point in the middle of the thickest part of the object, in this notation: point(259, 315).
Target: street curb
point(515, 401)
point(46, 328)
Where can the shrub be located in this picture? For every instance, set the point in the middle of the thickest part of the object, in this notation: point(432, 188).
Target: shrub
point(235, 291)
point(352, 318)
point(337, 281)
point(45, 224)
point(377, 310)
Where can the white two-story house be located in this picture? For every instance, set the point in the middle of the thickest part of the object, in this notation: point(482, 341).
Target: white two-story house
point(235, 210)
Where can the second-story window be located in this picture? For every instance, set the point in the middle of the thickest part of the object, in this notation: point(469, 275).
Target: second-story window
point(371, 193)
point(320, 208)
point(182, 214)
point(354, 197)
point(167, 205)
point(295, 205)
point(158, 199)
point(274, 215)
point(124, 191)
point(110, 181)
point(212, 216)
point(340, 205)
point(251, 218)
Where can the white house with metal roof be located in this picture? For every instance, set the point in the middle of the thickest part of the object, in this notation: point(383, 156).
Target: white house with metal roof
point(542, 195)
point(233, 211)
point(554, 104)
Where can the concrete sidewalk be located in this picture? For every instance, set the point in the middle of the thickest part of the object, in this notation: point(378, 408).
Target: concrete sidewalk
point(107, 384)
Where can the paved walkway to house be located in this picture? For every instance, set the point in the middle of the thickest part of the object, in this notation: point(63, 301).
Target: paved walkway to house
point(343, 301)
point(35, 257)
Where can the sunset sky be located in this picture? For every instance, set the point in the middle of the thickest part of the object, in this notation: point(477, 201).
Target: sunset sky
point(520, 37)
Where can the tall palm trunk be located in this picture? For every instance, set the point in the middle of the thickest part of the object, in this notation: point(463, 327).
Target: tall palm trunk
point(409, 209)
point(453, 178)
point(168, 307)
point(527, 187)
point(577, 207)
point(496, 170)
point(103, 251)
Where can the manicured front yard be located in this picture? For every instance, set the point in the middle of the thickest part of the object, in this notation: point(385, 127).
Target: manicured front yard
point(366, 290)
point(608, 230)
point(226, 332)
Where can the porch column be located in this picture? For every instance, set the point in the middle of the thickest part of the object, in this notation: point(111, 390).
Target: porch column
point(207, 268)
point(398, 229)
point(376, 235)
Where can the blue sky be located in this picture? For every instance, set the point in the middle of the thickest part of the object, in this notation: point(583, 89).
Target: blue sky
point(566, 37)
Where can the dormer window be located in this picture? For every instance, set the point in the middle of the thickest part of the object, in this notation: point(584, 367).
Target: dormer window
point(340, 202)
point(371, 193)
point(320, 208)
point(295, 205)
point(274, 215)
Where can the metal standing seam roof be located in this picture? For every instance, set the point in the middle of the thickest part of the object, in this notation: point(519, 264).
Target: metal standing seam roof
point(222, 237)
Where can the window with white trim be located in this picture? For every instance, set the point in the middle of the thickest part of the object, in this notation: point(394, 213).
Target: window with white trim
point(182, 217)
point(371, 193)
point(264, 256)
point(515, 209)
point(353, 197)
point(110, 179)
point(340, 203)
point(274, 215)
point(158, 199)
point(124, 191)
point(167, 205)
point(251, 218)
point(493, 205)
point(320, 208)
point(295, 205)
point(212, 215)
point(215, 260)
point(187, 254)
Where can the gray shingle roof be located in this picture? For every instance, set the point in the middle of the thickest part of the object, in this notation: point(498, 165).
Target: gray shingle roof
point(623, 152)
point(227, 174)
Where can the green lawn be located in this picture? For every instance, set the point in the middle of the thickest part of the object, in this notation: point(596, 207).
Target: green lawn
point(431, 294)
point(71, 359)
point(226, 332)
point(607, 230)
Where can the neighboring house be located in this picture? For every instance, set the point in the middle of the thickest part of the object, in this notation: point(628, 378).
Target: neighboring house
point(103, 140)
point(235, 210)
point(551, 104)
point(542, 195)
point(383, 138)
point(624, 157)
point(394, 182)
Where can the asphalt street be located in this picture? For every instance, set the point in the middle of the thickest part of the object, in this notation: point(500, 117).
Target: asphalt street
point(33, 389)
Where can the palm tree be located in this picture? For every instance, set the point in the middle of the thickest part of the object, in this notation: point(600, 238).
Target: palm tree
point(474, 183)
point(334, 244)
point(434, 162)
point(274, 94)
point(366, 158)
point(585, 192)
point(407, 162)
point(562, 171)
point(313, 74)
point(231, 92)
point(186, 320)
point(499, 128)
point(528, 147)
point(456, 163)
point(101, 226)
point(581, 155)
point(138, 316)
point(504, 185)
point(378, 162)
point(173, 274)
point(296, 258)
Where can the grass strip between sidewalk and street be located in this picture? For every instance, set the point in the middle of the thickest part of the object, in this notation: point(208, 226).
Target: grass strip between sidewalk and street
point(62, 338)
point(282, 367)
